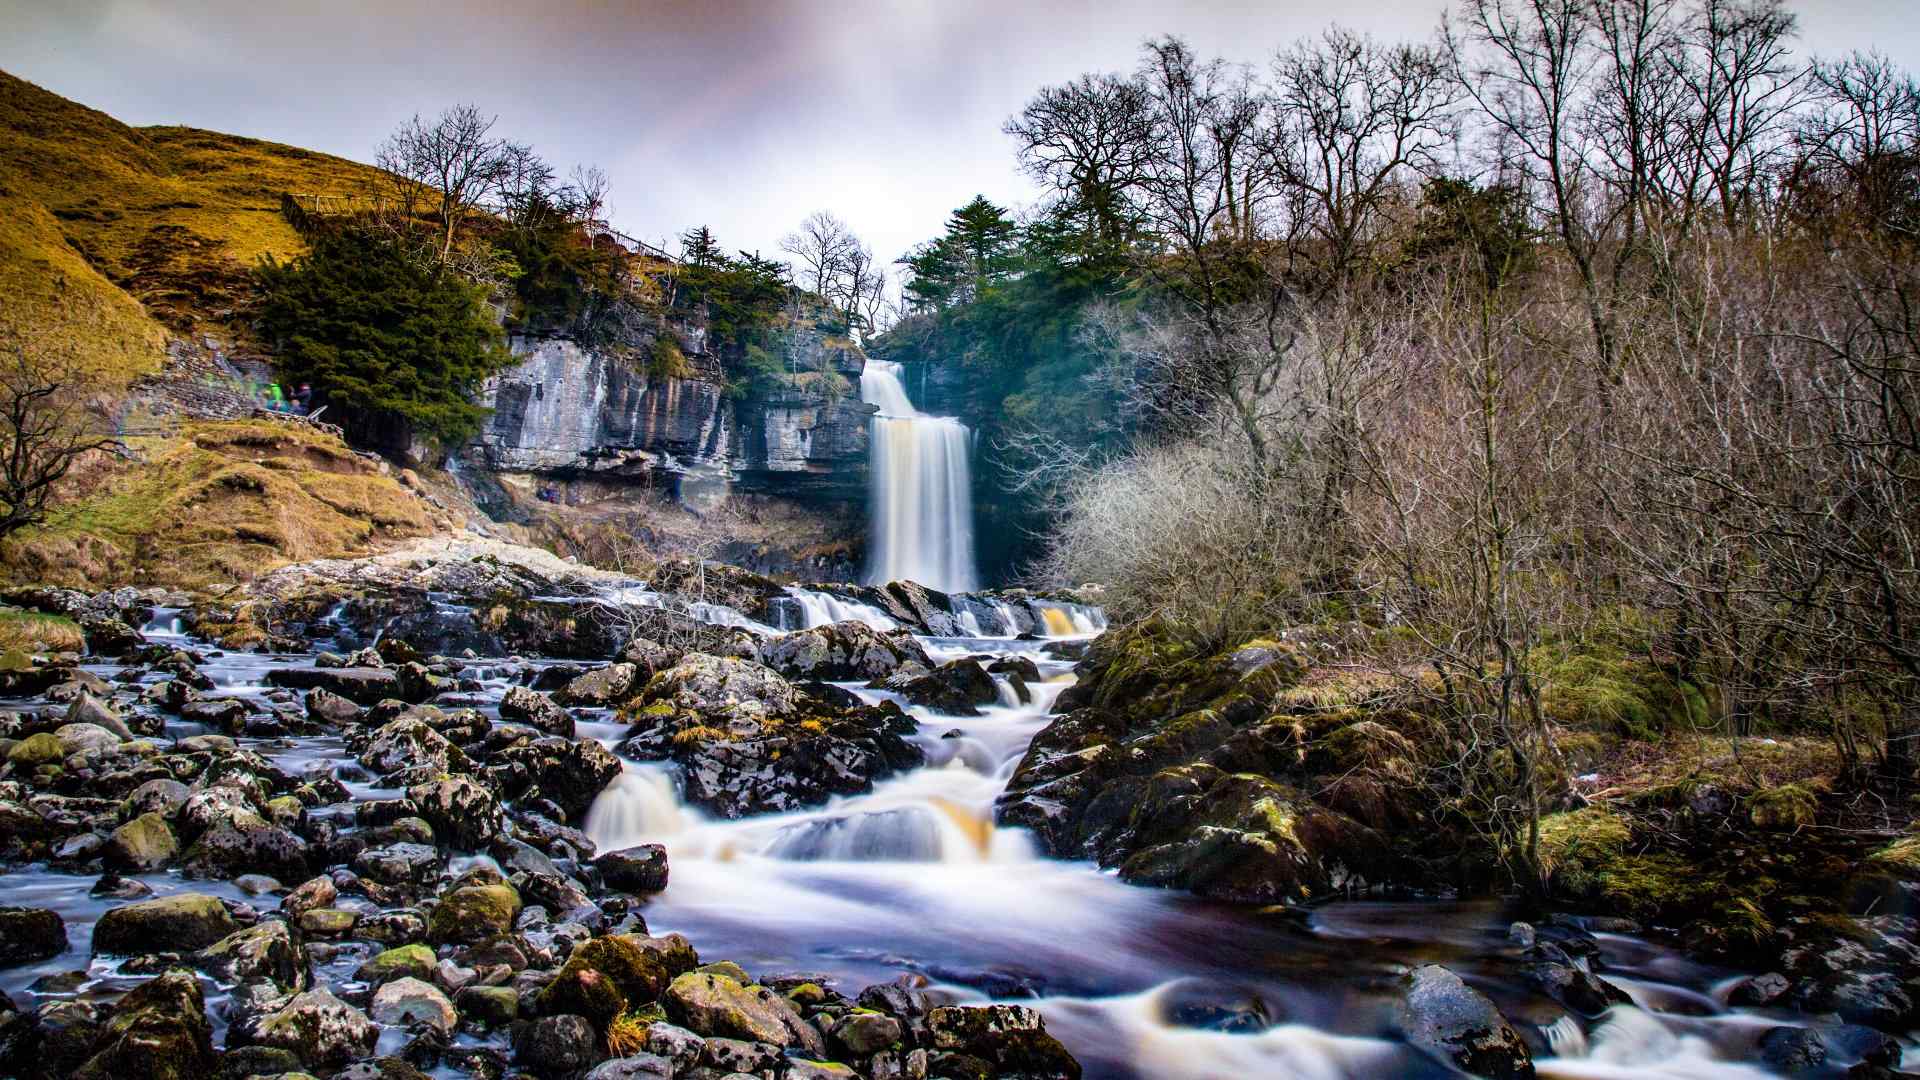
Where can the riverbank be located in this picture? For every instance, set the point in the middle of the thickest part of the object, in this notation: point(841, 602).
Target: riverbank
point(482, 810)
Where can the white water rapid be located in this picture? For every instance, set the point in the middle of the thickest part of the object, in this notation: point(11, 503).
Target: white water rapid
point(922, 490)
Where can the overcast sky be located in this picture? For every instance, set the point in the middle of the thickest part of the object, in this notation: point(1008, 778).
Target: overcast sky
point(741, 115)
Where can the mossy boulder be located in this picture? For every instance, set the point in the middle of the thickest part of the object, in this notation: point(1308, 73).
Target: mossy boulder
point(182, 922)
point(1248, 839)
point(717, 1006)
point(1012, 1039)
point(320, 1029)
point(474, 913)
point(266, 950)
point(29, 935)
point(1789, 806)
point(142, 844)
point(636, 973)
point(407, 961)
point(36, 750)
point(158, 1031)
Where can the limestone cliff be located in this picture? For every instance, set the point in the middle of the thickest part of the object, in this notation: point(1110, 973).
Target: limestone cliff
point(571, 410)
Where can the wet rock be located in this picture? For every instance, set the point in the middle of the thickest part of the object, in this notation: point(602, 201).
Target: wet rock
point(568, 772)
point(1012, 1038)
point(749, 742)
point(407, 1001)
point(85, 739)
point(601, 688)
point(319, 1028)
point(406, 961)
point(327, 707)
point(405, 865)
point(524, 706)
point(112, 886)
point(1246, 839)
point(158, 1031)
point(714, 1005)
point(315, 893)
point(361, 685)
point(1555, 974)
point(1456, 1024)
point(641, 870)
point(557, 1045)
point(161, 796)
point(58, 1037)
point(247, 843)
point(88, 709)
point(462, 812)
point(109, 637)
point(143, 844)
point(956, 688)
point(184, 921)
point(417, 684)
point(474, 913)
point(30, 935)
point(864, 1034)
point(1760, 989)
point(409, 743)
point(841, 651)
point(267, 950)
point(635, 1067)
point(221, 714)
point(678, 1046)
point(328, 922)
point(737, 1056)
point(488, 1007)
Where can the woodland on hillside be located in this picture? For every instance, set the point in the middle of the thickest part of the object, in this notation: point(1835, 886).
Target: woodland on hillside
point(1573, 355)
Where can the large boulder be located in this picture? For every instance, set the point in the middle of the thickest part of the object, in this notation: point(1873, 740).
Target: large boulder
point(267, 950)
point(317, 1027)
point(474, 913)
point(158, 1031)
point(568, 772)
point(30, 935)
point(600, 688)
point(957, 688)
point(247, 843)
point(641, 870)
point(360, 685)
point(841, 651)
point(750, 742)
point(410, 743)
point(462, 812)
point(536, 710)
point(1011, 1038)
point(179, 923)
point(712, 1004)
point(1456, 1024)
point(142, 844)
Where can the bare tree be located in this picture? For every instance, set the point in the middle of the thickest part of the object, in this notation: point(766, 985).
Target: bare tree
point(1091, 140)
point(1356, 119)
point(45, 427)
point(825, 249)
point(451, 164)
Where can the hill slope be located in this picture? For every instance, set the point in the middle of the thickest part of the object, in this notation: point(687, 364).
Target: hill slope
point(119, 235)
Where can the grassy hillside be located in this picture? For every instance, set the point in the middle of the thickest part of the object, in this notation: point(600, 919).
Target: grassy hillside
point(118, 234)
point(218, 503)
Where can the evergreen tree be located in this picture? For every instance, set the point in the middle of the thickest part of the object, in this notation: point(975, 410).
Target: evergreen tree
point(376, 331)
point(698, 248)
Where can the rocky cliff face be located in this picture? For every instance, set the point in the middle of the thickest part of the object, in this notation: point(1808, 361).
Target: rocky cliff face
point(570, 410)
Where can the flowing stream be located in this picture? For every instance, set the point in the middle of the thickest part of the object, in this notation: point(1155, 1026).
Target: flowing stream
point(915, 877)
point(922, 490)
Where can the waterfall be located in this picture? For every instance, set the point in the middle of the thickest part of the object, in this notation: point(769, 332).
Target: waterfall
point(922, 492)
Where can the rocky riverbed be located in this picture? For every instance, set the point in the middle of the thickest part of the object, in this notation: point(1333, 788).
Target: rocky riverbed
point(487, 813)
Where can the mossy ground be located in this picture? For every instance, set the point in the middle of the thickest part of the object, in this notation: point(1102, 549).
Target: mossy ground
point(32, 632)
point(216, 503)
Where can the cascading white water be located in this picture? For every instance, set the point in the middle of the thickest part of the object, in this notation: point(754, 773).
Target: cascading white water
point(922, 490)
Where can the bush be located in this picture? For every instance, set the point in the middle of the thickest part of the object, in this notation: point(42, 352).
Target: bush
point(375, 331)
